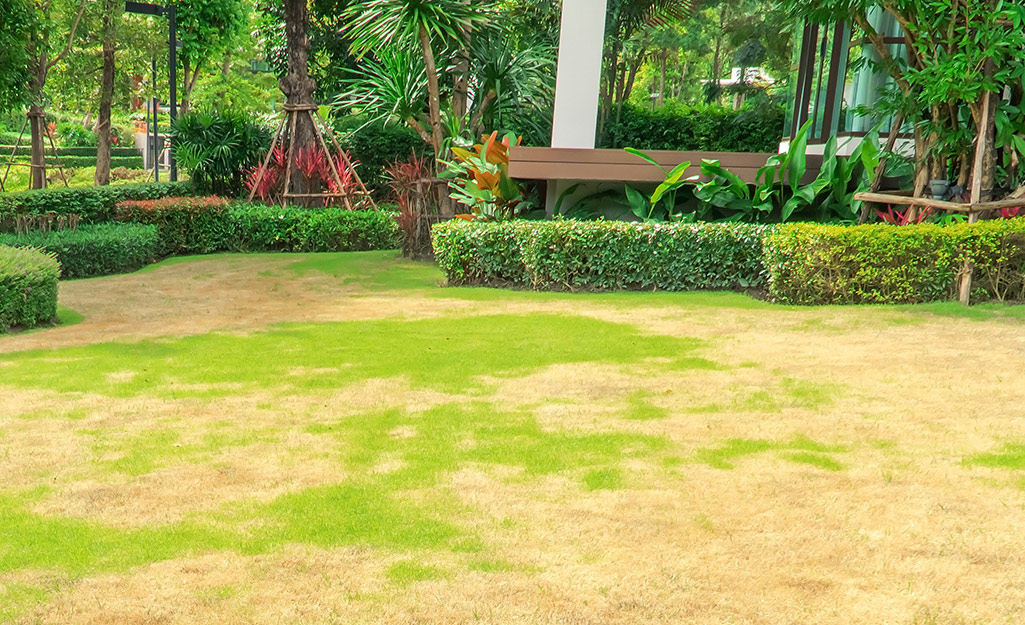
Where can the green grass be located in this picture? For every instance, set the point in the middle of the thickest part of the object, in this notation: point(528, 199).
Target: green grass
point(1012, 457)
point(640, 409)
point(216, 365)
point(406, 572)
point(799, 450)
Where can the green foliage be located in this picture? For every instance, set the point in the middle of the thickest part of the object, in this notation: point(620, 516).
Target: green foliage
point(712, 129)
point(28, 287)
point(205, 225)
point(16, 22)
point(218, 148)
point(184, 225)
point(62, 151)
point(259, 228)
point(94, 250)
point(92, 204)
point(601, 255)
point(818, 264)
point(480, 180)
point(374, 146)
point(661, 206)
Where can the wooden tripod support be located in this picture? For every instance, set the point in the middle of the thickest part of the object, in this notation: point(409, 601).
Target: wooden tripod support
point(283, 136)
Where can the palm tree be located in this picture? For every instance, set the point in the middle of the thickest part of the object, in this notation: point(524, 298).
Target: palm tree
point(381, 24)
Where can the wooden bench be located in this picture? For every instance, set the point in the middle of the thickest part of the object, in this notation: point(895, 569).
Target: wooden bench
point(620, 166)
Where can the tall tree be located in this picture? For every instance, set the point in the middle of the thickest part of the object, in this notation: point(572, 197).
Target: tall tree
point(298, 87)
point(43, 55)
point(16, 19)
point(430, 25)
point(206, 29)
point(111, 13)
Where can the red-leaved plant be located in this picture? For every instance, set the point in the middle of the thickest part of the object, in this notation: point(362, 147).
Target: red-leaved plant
point(313, 164)
point(904, 217)
point(414, 190)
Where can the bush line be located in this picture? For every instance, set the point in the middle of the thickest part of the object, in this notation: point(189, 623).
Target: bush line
point(800, 263)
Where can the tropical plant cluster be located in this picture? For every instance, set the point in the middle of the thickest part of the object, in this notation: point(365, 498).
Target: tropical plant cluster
point(376, 146)
point(93, 250)
point(800, 263)
point(28, 287)
point(218, 149)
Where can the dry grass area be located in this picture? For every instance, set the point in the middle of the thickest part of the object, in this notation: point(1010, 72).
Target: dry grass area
point(401, 453)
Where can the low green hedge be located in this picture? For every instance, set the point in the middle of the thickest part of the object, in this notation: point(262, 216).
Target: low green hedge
point(259, 228)
point(28, 288)
point(70, 162)
point(796, 263)
point(92, 204)
point(205, 225)
point(601, 255)
point(26, 150)
point(95, 250)
point(876, 264)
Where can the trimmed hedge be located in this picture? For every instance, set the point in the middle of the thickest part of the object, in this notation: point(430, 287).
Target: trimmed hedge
point(259, 228)
point(92, 204)
point(875, 264)
point(205, 225)
point(96, 250)
point(26, 150)
point(800, 263)
point(28, 288)
point(184, 225)
point(602, 255)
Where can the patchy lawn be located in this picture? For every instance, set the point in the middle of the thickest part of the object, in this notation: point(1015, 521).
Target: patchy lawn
point(334, 439)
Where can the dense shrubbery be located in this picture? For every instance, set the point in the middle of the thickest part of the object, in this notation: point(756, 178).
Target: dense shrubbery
point(601, 255)
point(92, 204)
point(204, 225)
point(712, 129)
point(218, 148)
point(817, 264)
point(376, 146)
point(28, 288)
point(129, 162)
point(259, 228)
point(96, 250)
point(797, 263)
point(184, 225)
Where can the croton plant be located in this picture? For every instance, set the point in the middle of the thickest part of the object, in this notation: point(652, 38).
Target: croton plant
point(479, 179)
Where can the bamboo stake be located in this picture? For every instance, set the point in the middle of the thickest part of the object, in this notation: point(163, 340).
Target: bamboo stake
point(348, 163)
point(291, 152)
point(14, 152)
point(330, 161)
point(266, 161)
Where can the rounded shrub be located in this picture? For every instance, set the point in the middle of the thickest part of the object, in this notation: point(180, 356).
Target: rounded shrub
point(96, 250)
point(28, 287)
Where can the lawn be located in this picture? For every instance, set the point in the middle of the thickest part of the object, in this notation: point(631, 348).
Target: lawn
point(334, 438)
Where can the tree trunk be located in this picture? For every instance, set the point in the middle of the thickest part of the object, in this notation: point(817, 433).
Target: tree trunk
point(434, 93)
point(37, 128)
point(460, 88)
point(662, 81)
point(102, 175)
point(298, 89)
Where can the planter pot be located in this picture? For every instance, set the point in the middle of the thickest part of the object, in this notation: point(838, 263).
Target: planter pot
point(939, 188)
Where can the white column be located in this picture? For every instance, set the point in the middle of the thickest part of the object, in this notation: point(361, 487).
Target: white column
point(578, 78)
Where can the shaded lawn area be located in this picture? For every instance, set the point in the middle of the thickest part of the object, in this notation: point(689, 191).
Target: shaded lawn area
point(334, 438)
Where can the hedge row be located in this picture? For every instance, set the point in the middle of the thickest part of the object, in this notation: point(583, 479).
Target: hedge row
point(130, 162)
point(872, 264)
point(601, 255)
point(712, 128)
point(204, 225)
point(92, 204)
point(26, 150)
point(28, 288)
point(795, 263)
point(96, 250)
